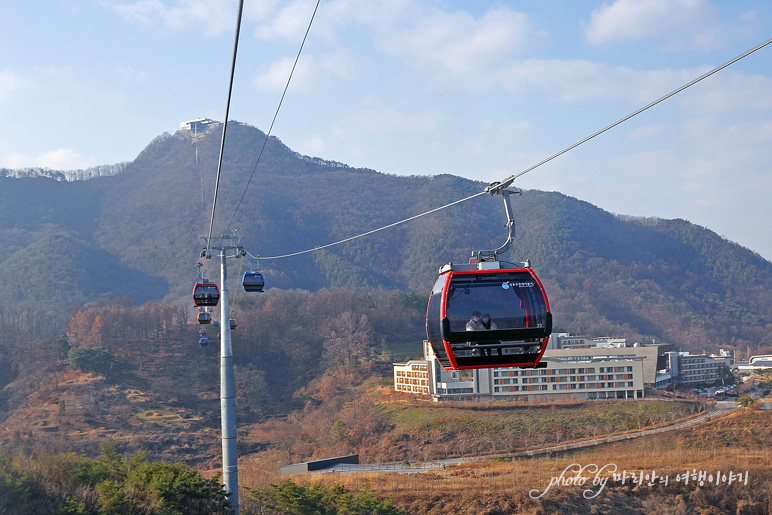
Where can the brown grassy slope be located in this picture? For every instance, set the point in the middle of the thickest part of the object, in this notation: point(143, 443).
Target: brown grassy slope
point(503, 487)
point(165, 399)
point(382, 426)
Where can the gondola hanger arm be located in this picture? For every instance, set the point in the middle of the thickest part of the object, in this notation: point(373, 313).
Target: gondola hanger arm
point(500, 188)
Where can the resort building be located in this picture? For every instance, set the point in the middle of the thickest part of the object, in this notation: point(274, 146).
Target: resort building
point(412, 377)
point(688, 368)
point(569, 374)
point(655, 355)
point(754, 365)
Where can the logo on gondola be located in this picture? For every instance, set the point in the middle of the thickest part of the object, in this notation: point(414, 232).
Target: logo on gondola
point(518, 284)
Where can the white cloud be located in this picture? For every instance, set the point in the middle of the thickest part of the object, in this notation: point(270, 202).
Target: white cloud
point(379, 120)
point(215, 16)
point(457, 41)
point(16, 160)
point(289, 23)
point(715, 175)
point(309, 74)
point(338, 17)
point(314, 146)
point(742, 147)
point(572, 81)
point(676, 24)
point(59, 159)
point(63, 159)
point(9, 84)
point(730, 91)
point(645, 132)
point(727, 92)
point(143, 11)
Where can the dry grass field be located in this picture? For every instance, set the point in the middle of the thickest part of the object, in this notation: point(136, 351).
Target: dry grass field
point(729, 455)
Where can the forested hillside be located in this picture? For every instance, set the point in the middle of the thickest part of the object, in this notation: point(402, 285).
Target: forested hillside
point(137, 234)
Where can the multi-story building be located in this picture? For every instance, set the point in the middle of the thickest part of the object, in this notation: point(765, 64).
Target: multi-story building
point(654, 356)
point(412, 377)
point(567, 375)
point(754, 365)
point(596, 377)
point(688, 368)
point(655, 360)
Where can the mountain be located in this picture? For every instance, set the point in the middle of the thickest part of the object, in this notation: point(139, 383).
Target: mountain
point(138, 234)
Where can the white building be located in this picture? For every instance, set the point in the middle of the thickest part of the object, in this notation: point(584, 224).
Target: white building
point(587, 377)
point(754, 365)
point(199, 124)
point(569, 341)
point(567, 375)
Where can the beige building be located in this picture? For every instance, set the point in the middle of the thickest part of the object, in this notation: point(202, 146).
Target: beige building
point(412, 377)
point(654, 357)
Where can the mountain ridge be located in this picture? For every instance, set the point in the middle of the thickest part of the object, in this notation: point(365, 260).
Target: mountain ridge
point(668, 280)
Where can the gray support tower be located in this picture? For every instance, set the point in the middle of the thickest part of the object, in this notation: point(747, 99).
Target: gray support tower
point(228, 247)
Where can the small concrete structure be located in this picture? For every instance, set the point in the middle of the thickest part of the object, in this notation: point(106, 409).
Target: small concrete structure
point(310, 466)
point(198, 124)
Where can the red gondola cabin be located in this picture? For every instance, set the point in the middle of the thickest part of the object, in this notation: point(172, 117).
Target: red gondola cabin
point(206, 294)
point(518, 325)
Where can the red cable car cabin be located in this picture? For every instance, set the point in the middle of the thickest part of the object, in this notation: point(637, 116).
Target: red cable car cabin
point(520, 320)
point(206, 294)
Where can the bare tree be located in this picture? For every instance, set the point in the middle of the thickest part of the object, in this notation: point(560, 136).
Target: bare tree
point(349, 336)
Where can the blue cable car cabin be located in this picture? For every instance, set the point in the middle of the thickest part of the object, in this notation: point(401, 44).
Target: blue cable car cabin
point(519, 324)
point(204, 318)
point(253, 282)
point(206, 294)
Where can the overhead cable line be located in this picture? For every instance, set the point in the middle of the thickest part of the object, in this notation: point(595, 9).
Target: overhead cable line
point(276, 114)
point(374, 230)
point(224, 126)
point(506, 182)
point(642, 109)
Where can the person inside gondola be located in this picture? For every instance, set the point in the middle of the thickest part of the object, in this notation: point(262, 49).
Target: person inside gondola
point(487, 322)
point(475, 323)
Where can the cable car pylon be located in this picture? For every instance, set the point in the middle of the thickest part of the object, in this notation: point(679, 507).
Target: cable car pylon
point(227, 246)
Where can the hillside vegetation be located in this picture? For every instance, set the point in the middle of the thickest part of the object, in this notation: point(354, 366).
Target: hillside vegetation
point(312, 380)
point(313, 374)
point(137, 234)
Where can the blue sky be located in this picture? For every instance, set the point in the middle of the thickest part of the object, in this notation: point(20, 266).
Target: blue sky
point(477, 89)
